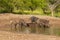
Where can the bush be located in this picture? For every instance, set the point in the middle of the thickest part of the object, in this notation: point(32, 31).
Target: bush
point(4, 11)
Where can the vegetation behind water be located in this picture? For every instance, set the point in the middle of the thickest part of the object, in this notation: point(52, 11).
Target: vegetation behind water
point(38, 7)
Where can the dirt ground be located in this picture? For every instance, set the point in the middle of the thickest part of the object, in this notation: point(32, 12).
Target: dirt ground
point(6, 18)
point(5, 27)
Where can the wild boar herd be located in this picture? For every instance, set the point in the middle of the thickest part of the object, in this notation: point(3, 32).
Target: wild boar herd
point(37, 25)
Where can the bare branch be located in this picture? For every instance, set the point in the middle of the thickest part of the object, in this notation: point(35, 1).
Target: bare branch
point(53, 6)
point(56, 4)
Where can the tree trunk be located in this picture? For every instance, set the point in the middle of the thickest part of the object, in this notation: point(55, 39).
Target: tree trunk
point(52, 13)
